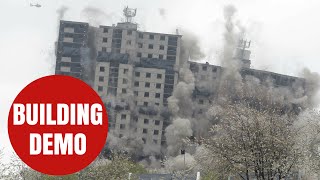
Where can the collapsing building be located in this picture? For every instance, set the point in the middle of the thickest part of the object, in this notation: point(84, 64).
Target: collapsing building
point(136, 72)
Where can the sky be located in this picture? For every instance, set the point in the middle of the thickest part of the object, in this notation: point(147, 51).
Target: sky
point(284, 34)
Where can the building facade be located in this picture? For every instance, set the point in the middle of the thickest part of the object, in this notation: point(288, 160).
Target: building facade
point(71, 48)
point(135, 74)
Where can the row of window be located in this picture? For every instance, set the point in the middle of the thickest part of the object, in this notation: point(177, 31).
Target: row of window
point(124, 81)
point(136, 93)
point(146, 103)
point(136, 83)
point(137, 74)
point(141, 35)
point(146, 84)
point(155, 132)
point(147, 94)
point(150, 46)
point(145, 141)
point(145, 121)
point(148, 75)
point(103, 69)
point(151, 36)
point(140, 45)
point(205, 68)
point(139, 55)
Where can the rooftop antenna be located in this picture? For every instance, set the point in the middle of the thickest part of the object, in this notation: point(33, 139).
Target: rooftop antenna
point(129, 13)
point(244, 44)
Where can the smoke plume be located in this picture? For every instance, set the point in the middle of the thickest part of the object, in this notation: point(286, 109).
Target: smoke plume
point(190, 47)
point(312, 86)
point(176, 133)
point(95, 16)
point(61, 12)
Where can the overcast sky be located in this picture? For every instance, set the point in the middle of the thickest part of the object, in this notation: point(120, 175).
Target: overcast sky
point(284, 34)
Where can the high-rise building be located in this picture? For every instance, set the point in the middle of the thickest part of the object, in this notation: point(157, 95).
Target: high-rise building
point(135, 72)
point(138, 70)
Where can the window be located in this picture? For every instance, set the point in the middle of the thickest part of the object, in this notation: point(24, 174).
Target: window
point(151, 36)
point(161, 47)
point(105, 40)
point(145, 103)
point(124, 81)
point(157, 104)
point(100, 88)
point(146, 94)
point(155, 132)
point(124, 91)
point(105, 30)
point(140, 45)
point(135, 93)
point(129, 42)
point(159, 76)
point(102, 69)
point(158, 86)
point(120, 135)
point(104, 49)
point(137, 74)
point(157, 95)
point(147, 85)
point(129, 32)
point(155, 141)
point(148, 75)
point(125, 71)
point(160, 56)
point(173, 58)
point(123, 116)
point(139, 54)
point(122, 126)
point(136, 84)
point(146, 121)
point(200, 101)
point(162, 38)
point(135, 119)
point(214, 69)
point(150, 46)
point(101, 78)
point(149, 55)
point(145, 131)
point(204, 68)
point(157, 122)
point(140, 35)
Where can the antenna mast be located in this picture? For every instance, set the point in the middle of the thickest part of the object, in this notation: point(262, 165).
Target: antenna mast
point(243, 45)
point(129, 13)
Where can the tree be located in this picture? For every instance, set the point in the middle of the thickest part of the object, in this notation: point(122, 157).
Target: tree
point(118, 168)
point(254, 143)
point(309, 141)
